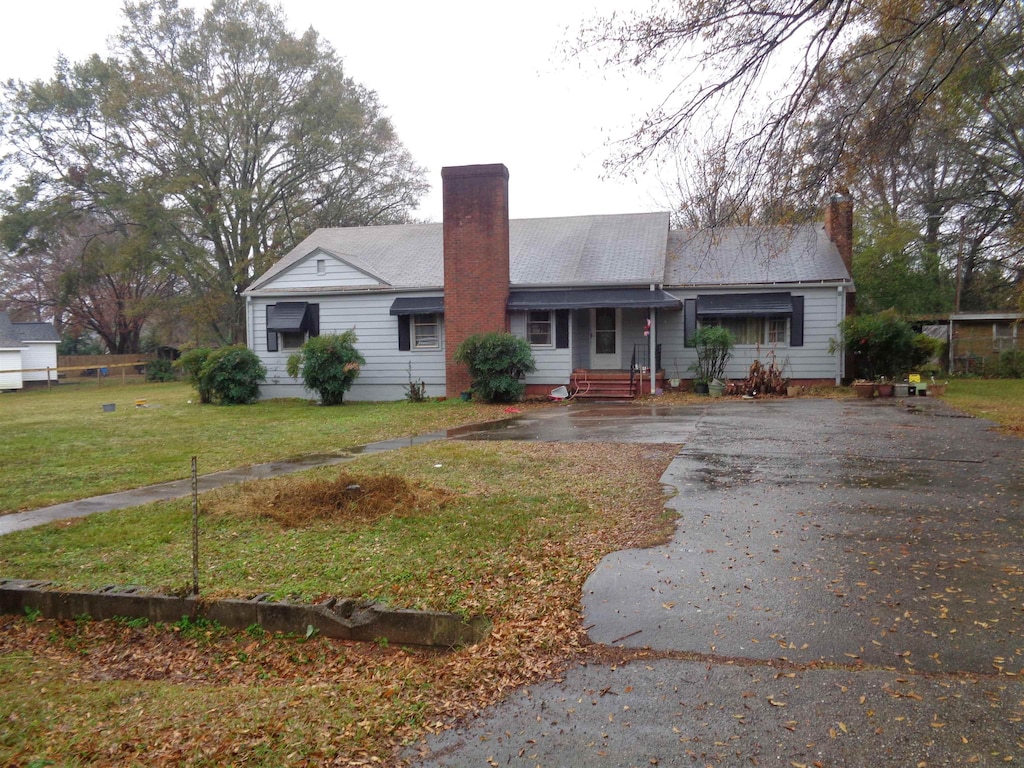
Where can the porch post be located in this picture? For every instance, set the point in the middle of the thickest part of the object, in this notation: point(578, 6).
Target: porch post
point(654, 346)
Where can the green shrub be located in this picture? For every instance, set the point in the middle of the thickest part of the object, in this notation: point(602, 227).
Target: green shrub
point(882, 344)
point(328, 365)
point(160, 370)
point(232, 375)
point(714, 348)
point(1008, 365)
point(191, 365)
point(497, 362)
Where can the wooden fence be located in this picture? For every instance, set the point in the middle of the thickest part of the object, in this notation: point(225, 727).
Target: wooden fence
point(70, 368)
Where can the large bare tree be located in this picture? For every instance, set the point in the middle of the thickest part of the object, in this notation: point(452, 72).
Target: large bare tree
point(244, 134)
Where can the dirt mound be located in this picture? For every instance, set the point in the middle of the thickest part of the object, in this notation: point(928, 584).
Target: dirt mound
point(298, 502)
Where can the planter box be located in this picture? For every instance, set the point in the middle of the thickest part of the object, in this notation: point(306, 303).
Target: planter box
point(864, 389)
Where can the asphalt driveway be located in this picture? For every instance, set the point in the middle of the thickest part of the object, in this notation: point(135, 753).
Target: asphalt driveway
point(845, 586)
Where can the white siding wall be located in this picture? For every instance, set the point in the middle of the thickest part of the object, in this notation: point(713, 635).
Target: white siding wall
point(39, 354)
point(553, 365)
point(385, 374)
point(822, 307)
point(303, 274)
point(10, 367)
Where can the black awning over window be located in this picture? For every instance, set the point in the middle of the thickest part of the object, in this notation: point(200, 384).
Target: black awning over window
point(592, 298)
point(745, 304)
point(287, 317)
point(419, 305)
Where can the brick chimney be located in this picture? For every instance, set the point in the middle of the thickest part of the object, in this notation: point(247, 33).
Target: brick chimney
point(839, 226)
point(476, 277)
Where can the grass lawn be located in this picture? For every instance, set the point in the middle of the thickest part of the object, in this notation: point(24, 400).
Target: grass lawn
point(509, 530)
point(999, 400)
point(60, 445)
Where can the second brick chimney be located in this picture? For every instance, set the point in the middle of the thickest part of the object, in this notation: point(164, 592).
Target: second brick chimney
point(476, 269)
point(839, 226)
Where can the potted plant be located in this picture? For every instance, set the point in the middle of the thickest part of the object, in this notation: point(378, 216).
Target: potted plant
point(864, 388)
point(700, 386)
point(881, 345)
point(674, 381)
point(714, 348)
point(884, 387)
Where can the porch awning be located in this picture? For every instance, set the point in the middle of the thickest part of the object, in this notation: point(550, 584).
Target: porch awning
point(592, 298)
point(287, 317)
point(745, 304)
point(418, 305)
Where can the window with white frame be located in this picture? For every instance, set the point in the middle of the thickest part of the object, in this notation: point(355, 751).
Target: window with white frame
point(425, 332)
point(539, 328)
point(293, 339)
point(773, 331)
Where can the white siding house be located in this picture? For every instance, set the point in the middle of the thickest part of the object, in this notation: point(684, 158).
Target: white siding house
point(27, 350)
point(597, 294)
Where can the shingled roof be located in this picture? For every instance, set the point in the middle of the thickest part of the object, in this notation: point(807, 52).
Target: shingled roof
point(752, 256)
point(612, 249)
point(14, 335)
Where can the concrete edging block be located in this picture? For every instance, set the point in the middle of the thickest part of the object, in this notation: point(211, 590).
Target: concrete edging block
point(342, 619)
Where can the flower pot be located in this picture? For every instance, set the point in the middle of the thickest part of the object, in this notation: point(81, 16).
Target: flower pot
point(716, 388)
point(901, 390)
point(792, 391)
point(885, 390)
point(674, 383)
point(865, 389)
point(700, 387)
point(938, 389)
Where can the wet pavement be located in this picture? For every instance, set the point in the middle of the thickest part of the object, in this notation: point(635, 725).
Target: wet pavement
point(845, 586)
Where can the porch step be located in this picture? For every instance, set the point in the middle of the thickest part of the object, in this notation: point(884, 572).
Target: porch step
point(607, 385)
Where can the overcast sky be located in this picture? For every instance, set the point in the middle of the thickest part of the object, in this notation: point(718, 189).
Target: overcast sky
point(463, 81)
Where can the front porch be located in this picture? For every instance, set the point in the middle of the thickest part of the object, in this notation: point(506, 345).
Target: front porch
point(613, 385)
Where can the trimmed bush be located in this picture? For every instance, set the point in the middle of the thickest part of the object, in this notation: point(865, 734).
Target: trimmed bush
point(233, 375)
point(191, 365)
point(497, 362)
point(328, 365)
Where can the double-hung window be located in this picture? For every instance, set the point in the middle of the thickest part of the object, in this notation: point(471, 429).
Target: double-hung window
point(290, 324)
point(425, 332)
point(539, 328)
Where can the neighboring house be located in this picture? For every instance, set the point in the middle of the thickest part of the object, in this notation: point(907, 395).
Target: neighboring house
point(979, 338)
point(27, 350)
point(596, 296)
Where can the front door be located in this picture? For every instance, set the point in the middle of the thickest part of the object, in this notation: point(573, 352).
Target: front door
point(605, 330)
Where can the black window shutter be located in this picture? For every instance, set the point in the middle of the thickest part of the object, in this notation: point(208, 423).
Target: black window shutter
point(403, 332)
point(796, 323)
point(562, 329)
point(313, 319)
point(689, 321)
point(271, 335)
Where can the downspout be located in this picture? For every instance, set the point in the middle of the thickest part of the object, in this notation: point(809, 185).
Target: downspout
point(249, 338)
point(840, 352)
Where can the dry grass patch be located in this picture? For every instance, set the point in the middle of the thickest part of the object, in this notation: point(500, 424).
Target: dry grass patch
point(345, 500)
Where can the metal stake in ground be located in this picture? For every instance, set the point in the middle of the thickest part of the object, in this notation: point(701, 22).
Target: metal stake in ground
point(195, 529)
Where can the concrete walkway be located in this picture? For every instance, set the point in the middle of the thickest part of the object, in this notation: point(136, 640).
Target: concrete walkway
point(844, 588)
point(177, 489)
